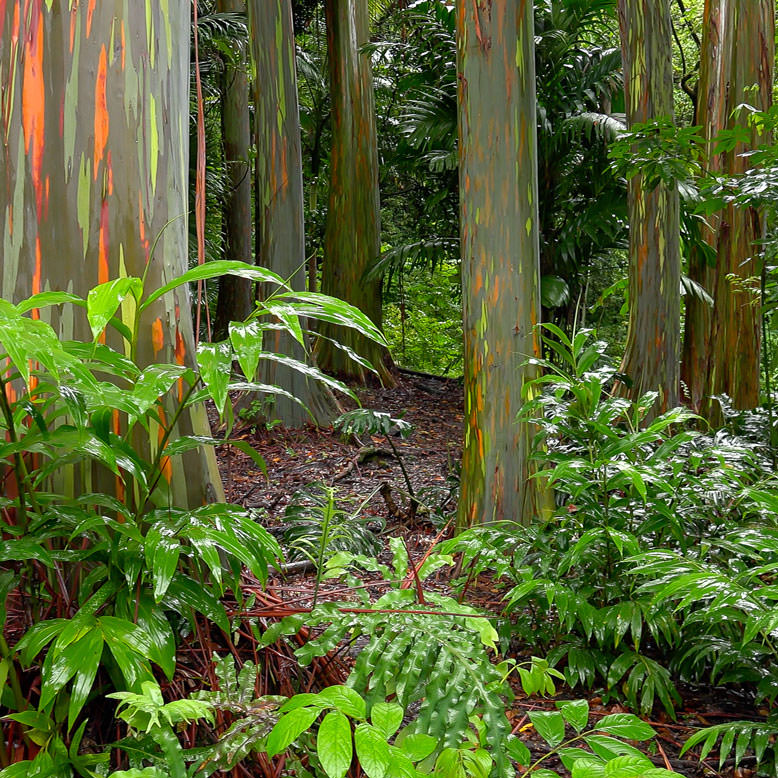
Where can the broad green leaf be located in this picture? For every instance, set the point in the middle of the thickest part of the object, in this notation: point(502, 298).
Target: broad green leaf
point(217, 268)
point(103, 301)
point(550, 725)
point(518, 751)
point(154, 382)
point(215, 361)
point(386, 717)
point(22, 550)
point(418, 746)
point(588, 768)
point(246, 338)
point(627, 766)
point(184, 593)
point(162, 554)
point(575, 713)
point(625, 725)
point(333, 744)
point(304, 700)
point(372, 750)
point(609, 748)
point(288, 728)
point(45, 299)
point(343, 699)
point(38, 636)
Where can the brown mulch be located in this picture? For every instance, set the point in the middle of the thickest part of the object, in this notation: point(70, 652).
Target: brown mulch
point(297, 458)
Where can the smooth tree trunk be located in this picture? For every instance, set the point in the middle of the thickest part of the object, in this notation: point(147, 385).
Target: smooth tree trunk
point(749, 28)
point(500, 254)
point(94, 111)
point(279, 201)
point(353, 231)
point(651, 359)
point(715, 58)
point(236, 299)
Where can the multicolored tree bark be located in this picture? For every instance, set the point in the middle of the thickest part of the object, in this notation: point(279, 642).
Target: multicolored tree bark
point(748, 27)
point(353, 232)
point(651, 359)
point(715, 59)
point(235, 300)
point(279, 196)
point(500, 253)
point(94, 113)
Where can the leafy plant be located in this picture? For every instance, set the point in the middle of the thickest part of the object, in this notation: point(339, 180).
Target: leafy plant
point(110, 578)
point(623, 485)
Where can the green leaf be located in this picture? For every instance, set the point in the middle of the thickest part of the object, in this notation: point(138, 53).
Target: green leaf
point(45, 299)
point(550, 725)
point(343, 699)
point(588, 768)
point(333, 744)
point(608, 748)
point(58, 670)
point(372, 750)
point(627, 766)
point(386, 717)
point(217, 268)
point(215, 361)
point(162, 554)
point(575, 713)
point(103, 301)
point(91, 653)
point(554, 291)
point(184, 593)
point(418, 746)
point(625, 725)
point(288, 728)
point(518, 751)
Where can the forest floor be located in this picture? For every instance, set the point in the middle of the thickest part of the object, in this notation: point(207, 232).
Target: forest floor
point(358, 469)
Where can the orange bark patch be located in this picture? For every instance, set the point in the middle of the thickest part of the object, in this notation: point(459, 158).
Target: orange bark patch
point(164, 463)
point(89, 13)
point(180, 359)
point(73, 14)
point(102, 260)
point(101, 109)
point(157, 336)
point(34, 104)
point(37, 276)
point(124, 45)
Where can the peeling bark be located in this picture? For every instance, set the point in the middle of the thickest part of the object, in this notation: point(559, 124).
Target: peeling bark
point(353, 233)
point(651, 358)
point(94, 112)
point(500, 253)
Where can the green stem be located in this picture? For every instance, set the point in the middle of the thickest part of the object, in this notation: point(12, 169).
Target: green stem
point(553, 751)
point(13, 676)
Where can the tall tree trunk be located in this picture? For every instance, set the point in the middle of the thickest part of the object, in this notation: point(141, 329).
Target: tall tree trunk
point(279, 198)
point(651, 359)
point(749, 27)
point(235, 301)
point(94, 124)
point(353, 234)
point(715, 57)
point(498, 187)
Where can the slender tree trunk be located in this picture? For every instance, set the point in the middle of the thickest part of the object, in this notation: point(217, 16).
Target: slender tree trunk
point(235, 301)
point(353, 233)
point(749, 27)
point(94, 111)
point(651, 359)
point(279, 188)
point(711, 97)
point(500, 253)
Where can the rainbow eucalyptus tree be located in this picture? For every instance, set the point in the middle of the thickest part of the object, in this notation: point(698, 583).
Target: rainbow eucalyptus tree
point(94, 123)
point(235, 300)
point(651, 358)
point(353, 233)
point(747, 36)
point(711, 90)
point(279, 197)
point(500, 252)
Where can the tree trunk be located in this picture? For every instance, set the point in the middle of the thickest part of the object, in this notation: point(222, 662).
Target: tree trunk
point(749, 27)
point(651, 359)
point(500, 253)
point(353, 234)
point(279, 199)
point(715, 59)
point(235, 301)
point(94, 121)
